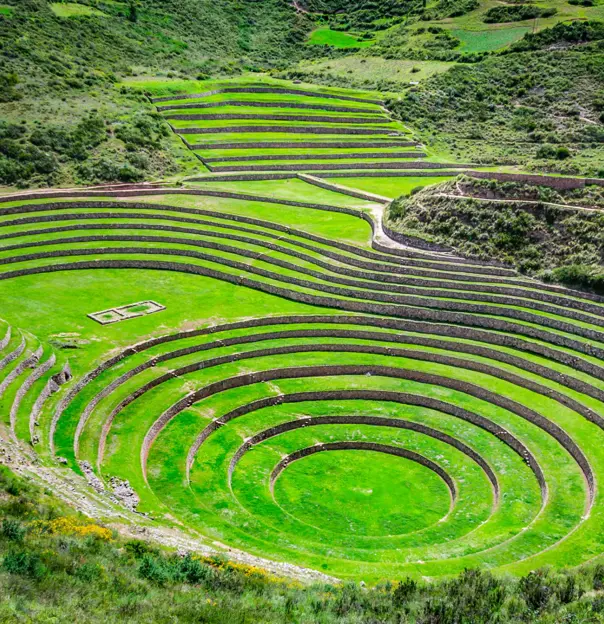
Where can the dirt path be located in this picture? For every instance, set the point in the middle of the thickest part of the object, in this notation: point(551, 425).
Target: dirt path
point(299, 8)
point(517, 201)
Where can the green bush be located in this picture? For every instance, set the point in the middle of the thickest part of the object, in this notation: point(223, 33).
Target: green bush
point(518, 13)
point(12, 530)
point(24, 564)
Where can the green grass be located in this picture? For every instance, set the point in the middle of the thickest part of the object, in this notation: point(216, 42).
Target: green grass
point(326, 36)
point(409, 496)
point(372, 69)
point(487, 40)
point(72, 9)
point(389, 187)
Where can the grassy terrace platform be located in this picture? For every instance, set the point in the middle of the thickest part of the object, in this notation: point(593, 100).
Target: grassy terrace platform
point(264, 125)
point(309, 394)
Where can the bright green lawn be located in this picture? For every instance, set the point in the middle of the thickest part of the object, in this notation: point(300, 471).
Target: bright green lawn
point(71, 9)
point(408, 495)
point(326, 36)
point(390, 186)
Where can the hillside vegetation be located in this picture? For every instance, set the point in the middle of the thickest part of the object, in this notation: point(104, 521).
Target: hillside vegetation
point(59, 67)
point(541, 231)
point(522, 106)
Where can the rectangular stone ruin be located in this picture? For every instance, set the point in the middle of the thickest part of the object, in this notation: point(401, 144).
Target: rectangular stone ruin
point(121, 313)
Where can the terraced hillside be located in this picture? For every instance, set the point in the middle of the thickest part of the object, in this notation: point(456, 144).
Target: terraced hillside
point(246, 129)
point(305, 390)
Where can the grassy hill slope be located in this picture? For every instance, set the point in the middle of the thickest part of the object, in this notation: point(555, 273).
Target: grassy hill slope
point(556, 234)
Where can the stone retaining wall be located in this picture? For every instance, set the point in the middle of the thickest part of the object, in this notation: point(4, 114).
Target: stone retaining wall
point(561, 183)
point(269, 104)
point(287, 91)
point(378, 130)
point(301, 144)
point(413, 241)
point(334, 156)
point(366, 446)
point(29, 362)
point(389, 283)
point(4, 342)
point(450, 331)
point(13, 355)
point(49, 389)
point(396, 423)
point(383, 371)
point(358, 251)
point(437, 358)
point(422, 314)
point(269, 117)
point(390, 255)
point(381, 166)
point(25, 387)
point(397, 300)
point(466, 387)
point(243, 178)
point(344, 190)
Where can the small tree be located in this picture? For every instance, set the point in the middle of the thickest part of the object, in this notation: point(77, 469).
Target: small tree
point(133, 12)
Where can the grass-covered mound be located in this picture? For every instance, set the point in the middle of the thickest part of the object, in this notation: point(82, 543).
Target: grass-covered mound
point(554, 233)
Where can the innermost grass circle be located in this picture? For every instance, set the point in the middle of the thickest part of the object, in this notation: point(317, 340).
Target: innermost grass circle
point(362, 492)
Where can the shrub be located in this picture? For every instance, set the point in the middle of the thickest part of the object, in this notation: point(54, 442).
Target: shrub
point(155, 569)
point(562, 153)
point(546, 151)
point(24, 564)
point(193, 571)
point(8, 82)
point(519, 13)
point(404, 592)
point(535, 590)
point(13, 530)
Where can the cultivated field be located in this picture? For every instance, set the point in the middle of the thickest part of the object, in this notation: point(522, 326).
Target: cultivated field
point(311, 393)
point(246, 130)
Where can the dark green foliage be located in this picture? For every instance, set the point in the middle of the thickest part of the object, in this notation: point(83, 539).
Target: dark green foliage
point(451, 8)
point(12, 530)
point(404, 592)
point(516, 13)
point(24, 563)
point(577, 275)
point(551, 151)
point(363, 14)
point(8, 93)
point(535, 590)
point(180, 35)
point(501, 109)
point(133, 12)
point(533, 231)
point(563, 32)
point(89, 148)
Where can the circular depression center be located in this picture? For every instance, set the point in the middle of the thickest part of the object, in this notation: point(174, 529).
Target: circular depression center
point(362, 492)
